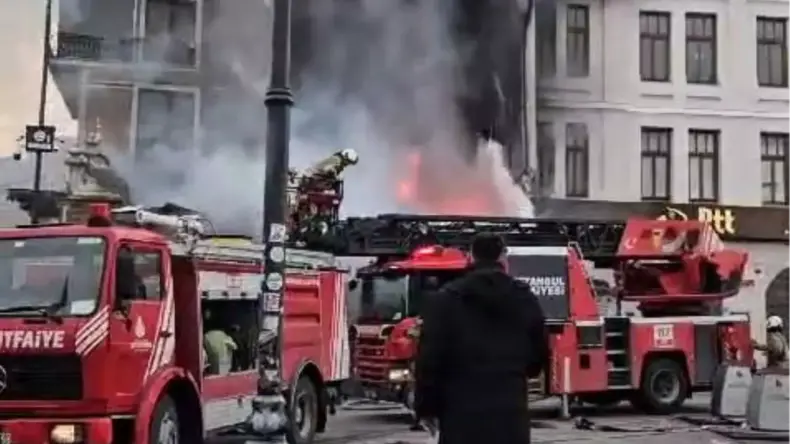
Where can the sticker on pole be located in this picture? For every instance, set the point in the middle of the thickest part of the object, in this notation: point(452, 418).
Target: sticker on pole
point(277, 233)
point(277, 254)
point(663, 336)
point(274, 281)
point(40, 138)
point(271, 302)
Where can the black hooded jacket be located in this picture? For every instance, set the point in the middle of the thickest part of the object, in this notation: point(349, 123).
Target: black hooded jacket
point(483, 335)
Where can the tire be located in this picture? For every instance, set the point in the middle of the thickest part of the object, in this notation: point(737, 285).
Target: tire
point(303, 412)
point(663, 388)
point(165, 428)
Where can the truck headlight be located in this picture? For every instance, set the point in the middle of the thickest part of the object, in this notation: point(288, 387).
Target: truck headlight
point(400, 374)
point(67, 434)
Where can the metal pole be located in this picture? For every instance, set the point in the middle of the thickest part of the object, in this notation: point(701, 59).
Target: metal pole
point(279, 100)
point(42, 104)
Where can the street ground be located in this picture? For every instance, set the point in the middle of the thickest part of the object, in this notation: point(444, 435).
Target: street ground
point(360, 423)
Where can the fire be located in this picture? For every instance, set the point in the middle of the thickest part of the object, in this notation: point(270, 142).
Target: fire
point(433, 187)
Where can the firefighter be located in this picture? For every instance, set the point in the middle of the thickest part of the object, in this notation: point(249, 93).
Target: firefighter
point(219, 351)
point(775, 347)
point(218, 346)
point(490, 328)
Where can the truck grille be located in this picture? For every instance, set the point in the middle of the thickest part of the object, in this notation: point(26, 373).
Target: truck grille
point(369, 361)
point(41, 378)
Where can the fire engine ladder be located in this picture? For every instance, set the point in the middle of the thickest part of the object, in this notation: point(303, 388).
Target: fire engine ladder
point(399, 234)
point(616, 343)
point(239, 250)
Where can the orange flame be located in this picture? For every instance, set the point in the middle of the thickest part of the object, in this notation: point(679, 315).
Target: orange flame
point(435, 188)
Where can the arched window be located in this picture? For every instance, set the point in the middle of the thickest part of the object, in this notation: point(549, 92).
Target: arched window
point(776, 296)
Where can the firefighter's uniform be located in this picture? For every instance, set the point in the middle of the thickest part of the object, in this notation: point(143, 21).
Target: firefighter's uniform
point(775, 346)
point(219, 347)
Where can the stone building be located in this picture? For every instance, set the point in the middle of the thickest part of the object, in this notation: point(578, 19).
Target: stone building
point(646, 105)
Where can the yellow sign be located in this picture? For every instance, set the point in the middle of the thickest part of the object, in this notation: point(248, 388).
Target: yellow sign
point(722, 220)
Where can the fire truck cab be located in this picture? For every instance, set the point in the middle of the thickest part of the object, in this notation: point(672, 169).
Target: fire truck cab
point(676, 272)
point(102, 331)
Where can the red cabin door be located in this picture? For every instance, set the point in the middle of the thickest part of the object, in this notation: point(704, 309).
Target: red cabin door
point(140, 334)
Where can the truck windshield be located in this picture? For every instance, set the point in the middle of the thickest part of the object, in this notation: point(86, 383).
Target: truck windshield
point(384, 298)
point(61, 274)
point(392, 298)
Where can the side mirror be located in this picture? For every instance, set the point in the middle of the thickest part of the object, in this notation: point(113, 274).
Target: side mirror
point(353, 284)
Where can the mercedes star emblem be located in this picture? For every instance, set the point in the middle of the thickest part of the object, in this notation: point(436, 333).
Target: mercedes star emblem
point(3, 379)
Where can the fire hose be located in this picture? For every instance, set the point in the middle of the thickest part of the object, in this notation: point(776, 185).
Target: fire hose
point(726, 428)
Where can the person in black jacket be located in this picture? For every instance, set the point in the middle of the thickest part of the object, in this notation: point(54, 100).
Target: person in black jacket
point(482, 336)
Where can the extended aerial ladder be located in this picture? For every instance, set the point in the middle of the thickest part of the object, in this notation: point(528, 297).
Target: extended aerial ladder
point(660, 259)
point(397, 235)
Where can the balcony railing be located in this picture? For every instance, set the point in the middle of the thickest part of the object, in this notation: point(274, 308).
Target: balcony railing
point(92, 48)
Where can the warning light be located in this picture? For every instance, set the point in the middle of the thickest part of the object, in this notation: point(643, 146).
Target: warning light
point(434, 250)
point(99, 215)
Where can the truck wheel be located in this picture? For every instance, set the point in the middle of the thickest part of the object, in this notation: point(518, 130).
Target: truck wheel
point(303, 412)
point(663, 388)
point(164, 427)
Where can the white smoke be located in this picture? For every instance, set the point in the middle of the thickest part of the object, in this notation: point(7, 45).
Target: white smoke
point(490, 158)
point(382, 78)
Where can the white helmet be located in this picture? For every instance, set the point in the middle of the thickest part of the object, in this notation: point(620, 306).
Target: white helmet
point(350, 156)
point(773, 322)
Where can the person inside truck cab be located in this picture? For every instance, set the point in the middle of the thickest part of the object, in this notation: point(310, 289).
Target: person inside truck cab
point(129, 284)
point(775, 347)
point(218, 346)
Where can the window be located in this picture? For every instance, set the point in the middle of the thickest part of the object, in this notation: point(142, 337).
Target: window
point(774, 154)
point(170, 32)
point(703, 166)
point(139, 275)
point(772, 51)
point(576, 160)
point(701, 48)
point(43, 271)
point(147, 266)
point(165, 121)
point(578, 41)
point(656, 150)
point(546, 38)
point(654, 62)
point(546, 158)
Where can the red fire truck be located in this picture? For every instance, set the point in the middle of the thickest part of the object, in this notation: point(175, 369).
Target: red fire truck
point(102, 326)
point(678, 272)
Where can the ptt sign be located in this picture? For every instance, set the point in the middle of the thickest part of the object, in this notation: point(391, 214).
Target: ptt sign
point(723, 220)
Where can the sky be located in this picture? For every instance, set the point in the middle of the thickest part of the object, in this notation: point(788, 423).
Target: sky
point(21, 31)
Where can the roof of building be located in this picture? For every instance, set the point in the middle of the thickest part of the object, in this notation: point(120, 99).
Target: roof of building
point(19, 174)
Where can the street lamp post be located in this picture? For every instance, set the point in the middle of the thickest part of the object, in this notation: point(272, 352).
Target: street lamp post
point(42, 104)
point(269, 407)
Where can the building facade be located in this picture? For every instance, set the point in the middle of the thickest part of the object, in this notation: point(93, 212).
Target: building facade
point(664, 101)
point(652, 104)
point(149, 72)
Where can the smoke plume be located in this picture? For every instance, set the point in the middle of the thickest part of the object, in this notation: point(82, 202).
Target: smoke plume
point(384, 78)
